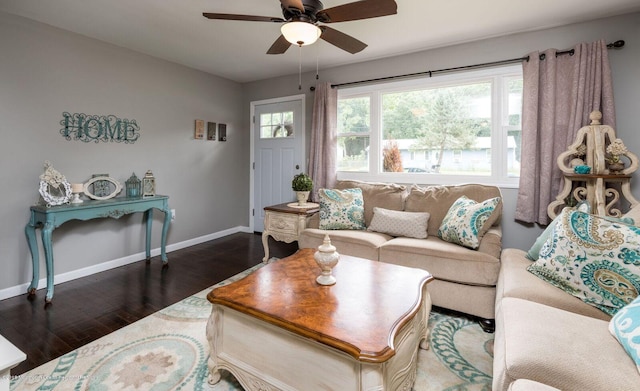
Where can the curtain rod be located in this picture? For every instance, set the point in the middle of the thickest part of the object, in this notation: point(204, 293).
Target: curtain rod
point(617, 44)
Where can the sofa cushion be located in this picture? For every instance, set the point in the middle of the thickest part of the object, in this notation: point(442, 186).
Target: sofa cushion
point(466, 221)
point(362, 244)
point(528, 385)
point(445, 261)
point(341, 209)
point(398, 223)
point(436, 200)
point(625, 326)
point(382, 195)
point(558, 348)
point(516, 281)
point(592, 258)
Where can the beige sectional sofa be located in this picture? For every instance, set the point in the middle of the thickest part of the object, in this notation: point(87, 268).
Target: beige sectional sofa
point(547, 339)
point(465, 279)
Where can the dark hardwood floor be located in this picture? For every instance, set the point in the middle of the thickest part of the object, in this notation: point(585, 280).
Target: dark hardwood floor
point(88, 308)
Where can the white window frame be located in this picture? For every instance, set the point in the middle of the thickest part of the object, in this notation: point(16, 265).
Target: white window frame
point(499, 128)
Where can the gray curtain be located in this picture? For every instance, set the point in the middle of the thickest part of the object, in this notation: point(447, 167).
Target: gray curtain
point(558, 95)
point(324, 137)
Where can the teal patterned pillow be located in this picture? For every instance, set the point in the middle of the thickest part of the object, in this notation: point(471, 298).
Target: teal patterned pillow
point(341, 209)
point(534, 251)
point(625, 326)
point(465, 220)
point(592, 258)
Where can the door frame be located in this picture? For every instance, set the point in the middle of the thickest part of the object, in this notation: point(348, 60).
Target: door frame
point(303, 134)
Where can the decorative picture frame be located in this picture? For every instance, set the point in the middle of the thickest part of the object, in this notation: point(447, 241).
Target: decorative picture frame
point(222, 132)
point(114, 188)
point(54, 187)
point(199, 130)
point(55, 196)
point(211, 131)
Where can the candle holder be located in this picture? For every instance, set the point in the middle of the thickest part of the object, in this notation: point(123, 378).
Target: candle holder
point(77, 189)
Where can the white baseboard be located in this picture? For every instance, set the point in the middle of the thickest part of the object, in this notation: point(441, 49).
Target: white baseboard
point(87, 271)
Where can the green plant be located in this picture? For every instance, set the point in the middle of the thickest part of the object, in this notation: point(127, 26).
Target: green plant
point(302, 182)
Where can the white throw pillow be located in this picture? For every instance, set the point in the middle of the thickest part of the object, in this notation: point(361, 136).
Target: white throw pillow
point(399, 223)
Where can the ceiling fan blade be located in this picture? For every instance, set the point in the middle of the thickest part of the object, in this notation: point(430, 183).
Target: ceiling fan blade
point(250, 18)
point(279, 46)
point(342, 40)
point(358, 10)
point(292, 5)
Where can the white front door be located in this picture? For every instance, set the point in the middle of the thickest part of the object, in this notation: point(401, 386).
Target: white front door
point(279, 152)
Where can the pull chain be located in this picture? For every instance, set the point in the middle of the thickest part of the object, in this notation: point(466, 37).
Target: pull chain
point(299, 67)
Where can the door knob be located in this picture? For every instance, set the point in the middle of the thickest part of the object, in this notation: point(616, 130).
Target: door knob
point(297, 166)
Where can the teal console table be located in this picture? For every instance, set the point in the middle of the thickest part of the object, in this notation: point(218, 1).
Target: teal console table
point(51, 218)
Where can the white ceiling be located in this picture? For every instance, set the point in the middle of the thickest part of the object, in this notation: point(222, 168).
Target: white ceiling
point(175, 30)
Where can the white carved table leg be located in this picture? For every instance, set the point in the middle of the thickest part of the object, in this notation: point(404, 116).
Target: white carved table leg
point(213, 333)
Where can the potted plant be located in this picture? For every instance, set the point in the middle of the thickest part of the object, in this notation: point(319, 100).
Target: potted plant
point(614, 151)
point(302, 185)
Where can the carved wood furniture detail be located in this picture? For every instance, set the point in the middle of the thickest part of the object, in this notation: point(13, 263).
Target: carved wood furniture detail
point(51, 218)
point(602, 187)
point(277, 329)
point(284, 224)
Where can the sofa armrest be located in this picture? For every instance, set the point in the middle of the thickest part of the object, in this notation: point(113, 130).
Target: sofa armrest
point(491, 242)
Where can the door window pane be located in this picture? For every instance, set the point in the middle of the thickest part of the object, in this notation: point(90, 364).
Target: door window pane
point(276, 125)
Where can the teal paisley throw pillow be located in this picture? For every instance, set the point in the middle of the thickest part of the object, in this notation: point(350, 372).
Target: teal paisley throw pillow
point(465, 220)
point(341, 209)
point(625, 326)
point(593, 258)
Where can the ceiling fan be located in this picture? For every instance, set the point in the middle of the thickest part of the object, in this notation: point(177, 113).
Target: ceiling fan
point(301, 18)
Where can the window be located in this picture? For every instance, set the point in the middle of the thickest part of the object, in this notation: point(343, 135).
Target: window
point(275, 125)
point(464, 127)
point(354, 130)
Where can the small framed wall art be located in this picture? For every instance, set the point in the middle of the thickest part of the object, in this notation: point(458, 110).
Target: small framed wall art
point(211, 131)
point(222, 132)
point(199, 132)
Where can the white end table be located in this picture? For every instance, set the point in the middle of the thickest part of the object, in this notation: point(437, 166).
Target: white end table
point(284, 222)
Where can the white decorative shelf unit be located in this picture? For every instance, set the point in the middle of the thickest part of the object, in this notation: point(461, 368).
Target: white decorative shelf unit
point(602, 186)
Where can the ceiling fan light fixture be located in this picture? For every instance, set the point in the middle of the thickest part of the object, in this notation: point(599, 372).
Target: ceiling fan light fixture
point(300, 33)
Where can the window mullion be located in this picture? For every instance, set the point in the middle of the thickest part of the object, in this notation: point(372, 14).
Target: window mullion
point(375, 141)
point(498, 132)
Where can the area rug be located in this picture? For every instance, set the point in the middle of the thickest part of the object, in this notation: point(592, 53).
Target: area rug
point(168, 351)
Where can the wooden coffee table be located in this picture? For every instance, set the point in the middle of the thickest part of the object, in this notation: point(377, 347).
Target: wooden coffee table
point(277, 329)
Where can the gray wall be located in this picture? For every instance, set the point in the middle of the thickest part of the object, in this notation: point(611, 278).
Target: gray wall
point(44, 72)
point(625, 64)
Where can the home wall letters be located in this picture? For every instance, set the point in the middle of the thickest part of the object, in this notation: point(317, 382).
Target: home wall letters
point(96, 128)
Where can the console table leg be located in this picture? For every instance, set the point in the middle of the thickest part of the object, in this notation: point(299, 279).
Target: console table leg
point(148, 215)
point(47, 230)
point(163, 238)
point(30, 232)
